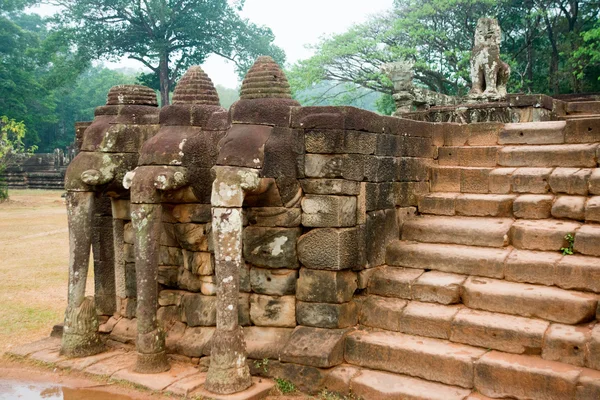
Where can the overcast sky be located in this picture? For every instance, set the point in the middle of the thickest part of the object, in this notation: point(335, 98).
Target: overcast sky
point(295, 24)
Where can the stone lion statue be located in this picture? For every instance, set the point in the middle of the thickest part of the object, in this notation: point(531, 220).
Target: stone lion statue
point(489, 74)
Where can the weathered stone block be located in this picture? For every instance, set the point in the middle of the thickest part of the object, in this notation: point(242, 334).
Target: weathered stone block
point(426, 319)
point(326, 286)
point(382, 312)
point(394, 282)
point(274, 216)
point(389, 145)
point(374, 196)
point(170, 297)
point(592, 209)
point(381, 229)
point(531, 266)
point(330, 186)
point(200, 310)
point(328, 211)
point(347, 166)
point(445, 179)
point(566, 343)
point(271, 247)
point(474, 180)
point(192, 237)
point(579, 273)
point(121, 209)
point(339, 141)
point(263, 342)
point(407, 194)
point(273, 311)
point(198, 213)
point(278, 282)
point(316, 347)
point(198, 263)
point(500, 180)
point(531, 180)
point(594, 181)
point(331, 249)
point(417, 147)
point(306, 378)
point(195, 342)
point(170, 256)
point(327, 315)
point(587, 239)
point(410, 169)
point(438, 287)
point(570, 180)
point(380, 169)
point(533, 206)
point(167, 275)
point(571, 207)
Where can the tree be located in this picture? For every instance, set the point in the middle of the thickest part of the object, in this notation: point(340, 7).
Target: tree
point(11, 143)
point(167, 36)
point(541, 39)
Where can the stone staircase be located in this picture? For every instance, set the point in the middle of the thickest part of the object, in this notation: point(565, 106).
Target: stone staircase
point(477, 298)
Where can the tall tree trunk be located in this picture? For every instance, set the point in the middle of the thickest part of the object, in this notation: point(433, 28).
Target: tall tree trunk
point(553, 72)
point(163, 74)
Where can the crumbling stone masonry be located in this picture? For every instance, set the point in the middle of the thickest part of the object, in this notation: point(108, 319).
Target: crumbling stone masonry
point(340, 249)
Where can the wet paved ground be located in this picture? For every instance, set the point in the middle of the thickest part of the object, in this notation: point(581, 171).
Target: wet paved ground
point(11, 389)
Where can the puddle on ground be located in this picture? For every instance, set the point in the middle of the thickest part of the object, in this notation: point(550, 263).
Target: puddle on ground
point(10, 390)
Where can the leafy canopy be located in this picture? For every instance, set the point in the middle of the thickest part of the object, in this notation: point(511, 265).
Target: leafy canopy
point(167, 36)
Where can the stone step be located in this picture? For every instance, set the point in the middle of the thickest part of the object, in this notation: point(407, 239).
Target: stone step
point(416, 284)
point(475, 231)
point(563, 155)
point(431, 359)
point(508, 333)
point(544, 234)
point(469, 156)
point(458, 259)
point(546, 132)
point(583, 107)
point(369, 384)
point(501, 375)
point(467, 204)
point(551, 268)
point(548, 303)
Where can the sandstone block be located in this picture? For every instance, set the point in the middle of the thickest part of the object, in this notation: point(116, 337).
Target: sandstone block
point(467, 260)
point(170, 256)
point(411, 169)
point(478, 156)
point(380, 169)
point(500, 180)
point(483, 133)
point(567, 155)
point(198, 263)
point(306, 378)
point(374, 196)
point(263, 342)
point(330, 186)
point(393, 282)
point(566, 343)
point(550, 132)
point(327, 315)
point(339, 141)
point(389, 145)
point(195, 342)
point(532, 266)
point(474, 180)
point(328, 211)
point(541, 234)
point(417, 147)
point(533, 206)
point(278, 282)
point(271, 247)
point(274, 216)
point(426, 319)
point(531, 180)
point(331, 249)
point(593, 356)
point(485, 205)
point(273, 311)
point(498, 331)
point(128, 233)
point(413, 355)
point(579, 273)
point(571, 207)
point(346, 166)
point(121, 209)
point(381, 229)
point(323, 348)
point(570, 180)
point(385, 386)
point(197, 213)
point(592, 209)
point(192, 237)
point(199, 310)
point(594, 181)
point(321, 286)
point(170, 297)
point(407, 194)
point(588, 387)
point(438, 287)
point(445, 179)
point(448, 156)
point(587, 239)
point(438, 203)
point(382, 312)
point(338, 380)
point(508, 375)
point(529, 300)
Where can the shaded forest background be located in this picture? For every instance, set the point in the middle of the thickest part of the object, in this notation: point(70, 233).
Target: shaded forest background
point(51, 71)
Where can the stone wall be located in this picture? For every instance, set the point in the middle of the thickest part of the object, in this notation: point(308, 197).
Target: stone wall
point(310, 240)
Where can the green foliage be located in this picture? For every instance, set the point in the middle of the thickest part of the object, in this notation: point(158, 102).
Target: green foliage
point(551, 46)
point(326, 395)
point(285, 386)
point(11, 143)
point(264, 363)
point(567, 251)
point(167, 36)
point(227, 96)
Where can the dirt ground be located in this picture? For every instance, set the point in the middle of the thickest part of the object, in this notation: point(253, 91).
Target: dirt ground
point(34, 257)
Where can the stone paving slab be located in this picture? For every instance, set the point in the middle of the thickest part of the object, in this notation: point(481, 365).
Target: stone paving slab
point(156, 381)
point(34, 347)
point(260, 389)
point(82, 363)
point(186, 385)
point(50, 356)
point(111, 365)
